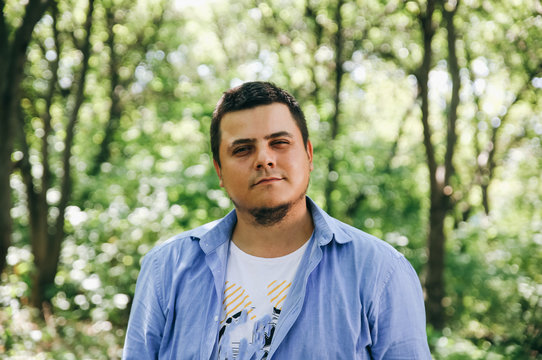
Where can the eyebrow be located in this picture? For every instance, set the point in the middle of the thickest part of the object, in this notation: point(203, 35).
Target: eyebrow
point(245, 141)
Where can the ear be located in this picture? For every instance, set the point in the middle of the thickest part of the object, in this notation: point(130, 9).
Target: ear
point(218, 172)
point(309, 154)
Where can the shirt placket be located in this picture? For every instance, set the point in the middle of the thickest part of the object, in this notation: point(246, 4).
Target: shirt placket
point(295, 303)
point(216, 261)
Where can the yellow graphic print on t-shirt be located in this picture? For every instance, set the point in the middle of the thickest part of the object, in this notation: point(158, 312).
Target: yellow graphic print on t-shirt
point(277, 292)
point(238, 306)
point(236, 299)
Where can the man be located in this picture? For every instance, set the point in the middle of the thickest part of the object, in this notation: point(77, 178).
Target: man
point(277, 277)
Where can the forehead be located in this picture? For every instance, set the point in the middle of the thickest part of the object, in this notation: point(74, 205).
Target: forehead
point(257, 122)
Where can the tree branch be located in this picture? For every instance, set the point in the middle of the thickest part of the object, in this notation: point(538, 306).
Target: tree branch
point(3, 41)
point(25, 166)
point(393, 151)
point(422, 76)
point(46, 179)
point(65, 189)
point(453, 69)
point(114, 110)
point(318, 33)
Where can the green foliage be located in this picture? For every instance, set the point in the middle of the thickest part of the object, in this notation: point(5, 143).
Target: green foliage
point(173, 60)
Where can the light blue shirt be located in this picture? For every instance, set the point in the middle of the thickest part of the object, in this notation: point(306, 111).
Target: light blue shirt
point(353, 297)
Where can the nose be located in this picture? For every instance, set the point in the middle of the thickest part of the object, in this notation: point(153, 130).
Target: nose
point(264, 158)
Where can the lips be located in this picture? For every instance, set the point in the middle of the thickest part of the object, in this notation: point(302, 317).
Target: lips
point(267, 180)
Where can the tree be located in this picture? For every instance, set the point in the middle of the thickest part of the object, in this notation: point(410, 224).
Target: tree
point(140, 167)
point(440, 175)
point(47, 233)
point(523, 67)
point(14, 43)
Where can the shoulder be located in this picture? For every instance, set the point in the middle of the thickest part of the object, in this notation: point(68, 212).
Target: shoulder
point(184, 244)
point(331, 230)
point(366, 252)
point(371, 261)
point(381, 271)
point(363, 242)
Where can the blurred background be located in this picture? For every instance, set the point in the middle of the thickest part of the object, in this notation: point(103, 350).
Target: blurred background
point(425, 117)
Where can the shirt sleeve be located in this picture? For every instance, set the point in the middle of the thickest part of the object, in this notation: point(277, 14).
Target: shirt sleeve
point(398, 330)
point(147, 319)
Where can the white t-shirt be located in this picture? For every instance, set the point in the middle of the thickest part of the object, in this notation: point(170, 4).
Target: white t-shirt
point(255, 291)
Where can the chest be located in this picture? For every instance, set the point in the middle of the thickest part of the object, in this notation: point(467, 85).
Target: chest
point(323, 317)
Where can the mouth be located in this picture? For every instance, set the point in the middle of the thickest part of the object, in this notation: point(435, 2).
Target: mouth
point(267, 180)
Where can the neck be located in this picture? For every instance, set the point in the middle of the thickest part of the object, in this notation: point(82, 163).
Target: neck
point(276, 240)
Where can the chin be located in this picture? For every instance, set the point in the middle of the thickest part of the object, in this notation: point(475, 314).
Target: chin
point(269, 199)
point(267, 204)
point(279, 201)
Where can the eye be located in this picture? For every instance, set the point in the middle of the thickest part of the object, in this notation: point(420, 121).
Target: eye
point(280, 143)
point(241, 150)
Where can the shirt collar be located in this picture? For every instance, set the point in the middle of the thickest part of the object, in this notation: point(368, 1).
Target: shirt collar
point(219, 233)
point(326, 229)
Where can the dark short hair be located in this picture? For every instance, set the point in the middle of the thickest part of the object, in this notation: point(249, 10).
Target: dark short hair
point(250, 95)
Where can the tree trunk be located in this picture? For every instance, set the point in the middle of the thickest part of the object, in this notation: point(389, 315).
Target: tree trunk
point(434, 283)
point(37, 209)
point(435, 241)
point(6, 147)
point(6, 141)
point(46, 242)
point(11, 73)
point(334, 121)
point(440, 185)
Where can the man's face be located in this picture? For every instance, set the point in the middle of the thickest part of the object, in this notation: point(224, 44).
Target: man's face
point(264, 162)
